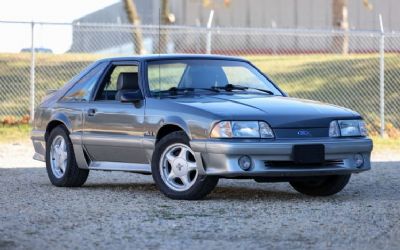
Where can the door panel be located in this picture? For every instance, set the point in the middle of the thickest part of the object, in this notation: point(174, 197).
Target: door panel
point(113, 131)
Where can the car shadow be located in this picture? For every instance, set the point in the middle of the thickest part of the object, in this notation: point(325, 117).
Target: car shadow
point(258, 192)
point(366, 186)
point(226, 192)
point(139, 186)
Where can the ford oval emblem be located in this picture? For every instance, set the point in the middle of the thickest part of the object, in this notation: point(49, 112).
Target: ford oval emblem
point(304, 133)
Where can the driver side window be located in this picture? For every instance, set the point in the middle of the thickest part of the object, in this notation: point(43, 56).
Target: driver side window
point(110, 87)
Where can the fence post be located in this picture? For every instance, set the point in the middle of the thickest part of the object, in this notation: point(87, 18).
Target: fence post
point(32, 75)
point(382, 78)
point(209, 23)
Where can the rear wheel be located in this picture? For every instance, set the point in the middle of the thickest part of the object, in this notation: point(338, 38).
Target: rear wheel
point(60, 160)
point(322, 186)
point(175, 172)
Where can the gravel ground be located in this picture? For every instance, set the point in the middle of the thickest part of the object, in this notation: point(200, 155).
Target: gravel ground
point(123, 210)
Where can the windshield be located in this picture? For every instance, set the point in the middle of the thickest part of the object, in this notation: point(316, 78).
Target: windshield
point(202, 74)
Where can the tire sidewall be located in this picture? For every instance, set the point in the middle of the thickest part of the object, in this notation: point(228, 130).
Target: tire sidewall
point(329, 186)
point(59, 131)
point(161, 146)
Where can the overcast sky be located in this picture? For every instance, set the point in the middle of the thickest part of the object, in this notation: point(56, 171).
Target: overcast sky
point(49, 10)
point(15, 37)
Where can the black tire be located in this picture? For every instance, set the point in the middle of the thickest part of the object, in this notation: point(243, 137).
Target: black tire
point(323, 186)
point(202, 186)
point(73, 176)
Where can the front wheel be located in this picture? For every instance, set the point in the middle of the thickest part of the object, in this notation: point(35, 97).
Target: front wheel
point(322, 186)
point(175, 172)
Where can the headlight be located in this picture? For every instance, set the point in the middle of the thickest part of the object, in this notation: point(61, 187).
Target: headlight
point(334, 129)
point(222, 130)
point(347, 128)
point(363, 128)
point(242, 129)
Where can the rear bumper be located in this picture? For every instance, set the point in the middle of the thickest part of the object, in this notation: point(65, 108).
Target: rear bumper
point(219, 157)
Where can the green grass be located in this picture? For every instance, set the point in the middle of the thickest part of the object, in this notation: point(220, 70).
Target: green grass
point(21, 133)
point(386, 144)
point(14, 134)
point(52, 71)
point(351, 81)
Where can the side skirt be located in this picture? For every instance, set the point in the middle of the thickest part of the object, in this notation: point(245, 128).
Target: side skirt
point(120, 166)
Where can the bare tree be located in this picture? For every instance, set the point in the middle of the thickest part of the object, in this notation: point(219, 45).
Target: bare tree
point(368, 5)
point(166, 18)
point(341, 22)
point(213, 4)
point(134, 19)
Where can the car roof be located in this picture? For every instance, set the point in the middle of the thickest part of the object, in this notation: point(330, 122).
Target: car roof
point(154, 57)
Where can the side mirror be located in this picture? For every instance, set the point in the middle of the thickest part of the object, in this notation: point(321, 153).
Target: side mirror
point(132, 96)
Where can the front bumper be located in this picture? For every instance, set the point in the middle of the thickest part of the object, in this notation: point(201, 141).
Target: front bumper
point(274, 157)
point(39, 144)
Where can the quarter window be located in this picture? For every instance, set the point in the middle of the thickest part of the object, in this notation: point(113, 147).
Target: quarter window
point(83, 88)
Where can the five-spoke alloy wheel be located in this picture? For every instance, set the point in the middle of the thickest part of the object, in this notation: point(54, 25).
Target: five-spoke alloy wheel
point(60, 160)
point(58, 156)
point(175, 171)
point(178, 167)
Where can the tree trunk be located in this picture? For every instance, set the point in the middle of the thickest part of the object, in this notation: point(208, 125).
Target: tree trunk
point(340, 22)
point(134, 19)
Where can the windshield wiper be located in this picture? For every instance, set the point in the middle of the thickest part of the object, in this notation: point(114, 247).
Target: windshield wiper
point(175, 90)
point(230, 87)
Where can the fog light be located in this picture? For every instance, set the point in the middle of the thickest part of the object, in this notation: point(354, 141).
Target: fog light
point(244, 162)
point(358, 160)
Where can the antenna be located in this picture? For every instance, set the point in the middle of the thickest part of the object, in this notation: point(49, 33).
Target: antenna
point(159, 28)
point(159, 48)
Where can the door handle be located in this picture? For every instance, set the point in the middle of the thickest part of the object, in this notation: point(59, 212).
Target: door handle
point(91, 112)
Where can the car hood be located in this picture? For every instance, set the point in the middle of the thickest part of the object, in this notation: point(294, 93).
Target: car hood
point(278, 111)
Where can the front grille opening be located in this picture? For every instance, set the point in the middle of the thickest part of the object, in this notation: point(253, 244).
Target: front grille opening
point(282, 164)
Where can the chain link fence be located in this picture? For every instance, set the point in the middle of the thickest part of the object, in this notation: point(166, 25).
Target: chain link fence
point(342, 68)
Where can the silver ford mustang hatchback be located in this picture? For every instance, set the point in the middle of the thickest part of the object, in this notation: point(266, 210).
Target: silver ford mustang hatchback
point(189, 120)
